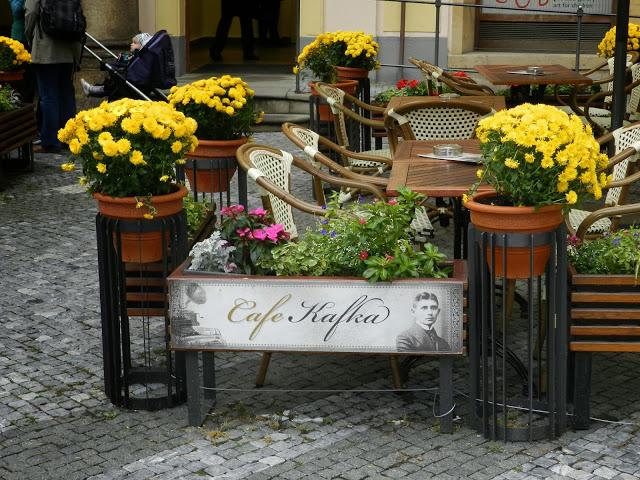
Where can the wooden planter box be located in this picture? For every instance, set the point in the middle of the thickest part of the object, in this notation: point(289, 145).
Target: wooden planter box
point(604, 317)
point(17, 128)
point(217, 312)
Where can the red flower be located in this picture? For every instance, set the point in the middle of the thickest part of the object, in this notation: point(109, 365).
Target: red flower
point(364, 255)
point(362, 220)
point(393, 201)
point(401, 83)
point(413, 83)
point(389, 257)
point(460, 74)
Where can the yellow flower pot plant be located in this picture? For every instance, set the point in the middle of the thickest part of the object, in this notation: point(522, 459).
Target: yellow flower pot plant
point(539, 160)
point(13, 57)
point(128, 151)
point(607, 45)
point(225, 111)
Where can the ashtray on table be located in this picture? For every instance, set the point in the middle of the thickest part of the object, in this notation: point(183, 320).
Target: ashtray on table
point(450, 150)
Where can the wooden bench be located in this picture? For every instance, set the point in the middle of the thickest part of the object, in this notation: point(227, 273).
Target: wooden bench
point(18, 128)
point(604, 317)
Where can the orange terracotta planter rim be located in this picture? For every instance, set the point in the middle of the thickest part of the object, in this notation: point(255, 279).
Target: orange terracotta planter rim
point(217, 148)
point(497, 218)
point(351, 72)
point(125, 207)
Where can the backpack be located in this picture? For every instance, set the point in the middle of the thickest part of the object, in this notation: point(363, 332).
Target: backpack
point(63, 19)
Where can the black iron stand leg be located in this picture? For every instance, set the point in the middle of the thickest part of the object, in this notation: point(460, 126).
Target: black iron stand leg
point(457, 228)
point(582, 391)
point(209, 375)
point(194, 392)
point(446, 394)
point(242, 187)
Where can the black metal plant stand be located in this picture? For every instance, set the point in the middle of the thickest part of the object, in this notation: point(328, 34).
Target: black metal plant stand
point(518, 368)
point(217, 170)
point(140, 371)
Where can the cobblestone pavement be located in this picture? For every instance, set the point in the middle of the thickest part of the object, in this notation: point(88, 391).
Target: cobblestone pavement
point(55, 421)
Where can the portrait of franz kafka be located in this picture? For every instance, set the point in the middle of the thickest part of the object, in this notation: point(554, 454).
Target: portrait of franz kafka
point(422, 335)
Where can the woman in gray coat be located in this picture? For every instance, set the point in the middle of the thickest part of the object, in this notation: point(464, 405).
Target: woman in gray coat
point(54, 61)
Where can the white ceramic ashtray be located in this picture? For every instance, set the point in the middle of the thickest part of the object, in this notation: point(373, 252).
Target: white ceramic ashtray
point(449, 95)
point(448, 150)
point(535, 70)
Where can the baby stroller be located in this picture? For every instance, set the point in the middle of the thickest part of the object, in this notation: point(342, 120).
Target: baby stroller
point(151, 70)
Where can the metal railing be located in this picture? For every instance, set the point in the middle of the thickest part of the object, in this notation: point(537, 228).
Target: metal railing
point(438, 4)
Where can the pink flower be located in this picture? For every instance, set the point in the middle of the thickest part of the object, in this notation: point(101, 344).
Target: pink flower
point(389, 257)
point(258, 212)
point(362, 220)
point(259, 234)
point(231, 211)
point(574, 240)
point(393, 201)
point(363, 255)
point(273, 231)
point(243, 232)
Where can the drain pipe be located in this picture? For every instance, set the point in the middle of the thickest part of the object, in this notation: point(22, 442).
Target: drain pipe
point(295, 61)
point(403, 17)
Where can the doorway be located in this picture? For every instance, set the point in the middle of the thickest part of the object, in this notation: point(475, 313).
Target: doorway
point(275, 48)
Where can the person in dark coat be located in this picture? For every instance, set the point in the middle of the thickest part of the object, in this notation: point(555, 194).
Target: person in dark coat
point(55, 62)
point(422, 337)
point(245, 11)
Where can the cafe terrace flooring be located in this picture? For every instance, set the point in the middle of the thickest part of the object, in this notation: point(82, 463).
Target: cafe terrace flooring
point(56, 423)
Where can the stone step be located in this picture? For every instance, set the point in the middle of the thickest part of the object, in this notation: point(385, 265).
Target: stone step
point(286, 103)
point(280, 118)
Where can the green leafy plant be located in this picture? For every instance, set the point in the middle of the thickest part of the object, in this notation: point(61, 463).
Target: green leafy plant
point(368, 240)
point(129, 148)
point(535, 155)
point(9, 99)
point(13, 55)
point(224, 107)
point(403, 88)
point(616, 254)
point(342, 49)
point(196, 213)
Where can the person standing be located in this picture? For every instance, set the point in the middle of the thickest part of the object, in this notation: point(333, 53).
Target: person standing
point(17, 23)
point(54, 62)
point(243, 9)
point(422, 337)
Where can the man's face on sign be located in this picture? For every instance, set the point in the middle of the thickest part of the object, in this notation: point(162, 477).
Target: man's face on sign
point(425, 313)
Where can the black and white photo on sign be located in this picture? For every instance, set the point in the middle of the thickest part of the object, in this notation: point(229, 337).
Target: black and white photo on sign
point(317, 315)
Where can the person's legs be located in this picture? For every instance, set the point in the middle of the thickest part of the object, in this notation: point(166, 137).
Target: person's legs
point(49, 104)
point(67, 94)
point(222, 32)
point(246, 31)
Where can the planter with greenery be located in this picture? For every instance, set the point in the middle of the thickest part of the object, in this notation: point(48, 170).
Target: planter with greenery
point(13, 57)
point(18, 128)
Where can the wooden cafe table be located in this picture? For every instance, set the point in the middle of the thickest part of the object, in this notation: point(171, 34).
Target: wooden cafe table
point(551, 75)
point(437, 178)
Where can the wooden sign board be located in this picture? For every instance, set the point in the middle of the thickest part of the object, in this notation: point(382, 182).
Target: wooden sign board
point(532, 7)
point(213, 312)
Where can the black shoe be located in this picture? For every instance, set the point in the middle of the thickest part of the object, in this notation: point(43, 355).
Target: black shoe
point(215, 56)
point(42, 149)
point(251, 57)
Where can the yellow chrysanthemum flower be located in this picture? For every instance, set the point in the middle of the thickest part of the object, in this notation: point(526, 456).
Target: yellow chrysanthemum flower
point(101, 167)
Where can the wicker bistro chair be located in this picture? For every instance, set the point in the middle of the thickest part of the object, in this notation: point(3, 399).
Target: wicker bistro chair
point(600, 117)
point(463, 86)
point(310, 142)
point(270, 168)
point(338, 100)
point(420, 120)
point(622, 167)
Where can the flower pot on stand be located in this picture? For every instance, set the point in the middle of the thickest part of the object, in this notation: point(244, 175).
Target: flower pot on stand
point(140, 246)
point(324, 111)
point(493, 218)
point(350, 73)
point(11, 76)
point(214, 162)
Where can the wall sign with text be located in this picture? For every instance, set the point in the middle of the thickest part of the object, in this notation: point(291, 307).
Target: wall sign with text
point(550, 6)
point(333, 315)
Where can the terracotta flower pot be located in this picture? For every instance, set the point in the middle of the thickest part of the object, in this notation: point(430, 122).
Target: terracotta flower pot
point(140, 247)
point(523, 220)
point(12, 76)
point(350, 73)
point(349, 86)
point(215, 164)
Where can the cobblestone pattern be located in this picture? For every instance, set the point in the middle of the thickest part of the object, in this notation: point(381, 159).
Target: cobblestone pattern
point(56, 423)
